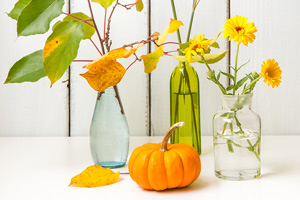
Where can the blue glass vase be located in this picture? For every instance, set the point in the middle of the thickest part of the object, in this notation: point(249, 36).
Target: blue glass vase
point(109, 133)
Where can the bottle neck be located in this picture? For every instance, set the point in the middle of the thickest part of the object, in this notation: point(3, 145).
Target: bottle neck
point(236, 102)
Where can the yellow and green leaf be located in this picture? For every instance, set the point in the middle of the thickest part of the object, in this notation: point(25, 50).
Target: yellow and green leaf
point(139, 6)
point(61, 48)
point(150, 60)
point(19, 6)
point(88, 30)
point(28, 69)
point(209, 58)
point(104, 3)
point(36, 17)
point(172, 27)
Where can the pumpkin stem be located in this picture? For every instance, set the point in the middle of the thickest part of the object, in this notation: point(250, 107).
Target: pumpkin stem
point(168, 135)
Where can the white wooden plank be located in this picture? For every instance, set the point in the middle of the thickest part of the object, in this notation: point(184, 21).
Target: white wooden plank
point(127, 27)
point(278, 28)
point(208, 20)
point(28, 109)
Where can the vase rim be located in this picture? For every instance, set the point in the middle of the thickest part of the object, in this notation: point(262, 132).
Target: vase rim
point(230, 96)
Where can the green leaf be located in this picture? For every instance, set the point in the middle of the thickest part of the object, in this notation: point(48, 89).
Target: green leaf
point(218, 76)
point(35, 18)
point(61, 48)
point(215, 45)
point(104, 3)
point(28, 69)
point(88, 30)
point(230, 87)
point(243, 65)
point(139, 6)
point(210, 58)
point(241, 82)
point(184, 45)
point(19, 6)
point(228, 75)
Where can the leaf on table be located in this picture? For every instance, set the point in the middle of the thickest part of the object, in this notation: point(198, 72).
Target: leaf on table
point(150, 60)
point(19, 6)
point(139, 5)
point(28, 69)
point(61, 48)
point(95, 176)
point(36, 17)
point(104, 3)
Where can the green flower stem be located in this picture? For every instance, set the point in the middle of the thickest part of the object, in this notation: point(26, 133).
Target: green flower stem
point(235, 68)
point(214, 78)
point(192, 104)
point(190, 26)
point(175, 17)
point(253, 82)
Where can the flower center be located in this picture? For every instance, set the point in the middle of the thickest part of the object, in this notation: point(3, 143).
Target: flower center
point(238, 28)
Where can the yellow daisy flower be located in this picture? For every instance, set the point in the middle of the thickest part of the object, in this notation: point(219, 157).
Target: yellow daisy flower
point(198, 45)
point(271, 72)
point(239, 29)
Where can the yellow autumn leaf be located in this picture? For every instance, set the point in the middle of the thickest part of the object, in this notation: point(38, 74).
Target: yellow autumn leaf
point(172, 27)
point(150, 60)
point(95, 176)
point(132, 50)
point(104, 73)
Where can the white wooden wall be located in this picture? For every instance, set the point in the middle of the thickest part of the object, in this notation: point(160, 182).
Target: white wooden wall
point(33, 109)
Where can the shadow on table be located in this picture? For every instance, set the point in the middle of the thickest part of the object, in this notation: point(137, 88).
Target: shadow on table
point(199, 184)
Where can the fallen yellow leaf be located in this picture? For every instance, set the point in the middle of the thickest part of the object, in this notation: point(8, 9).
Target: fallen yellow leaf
point(95, 176)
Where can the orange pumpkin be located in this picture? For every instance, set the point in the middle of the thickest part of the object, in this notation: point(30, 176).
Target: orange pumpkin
point(164, 166)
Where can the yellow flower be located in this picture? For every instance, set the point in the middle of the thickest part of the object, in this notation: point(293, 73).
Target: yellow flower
point(198, 45)
point(238, 29)
point(271, 72)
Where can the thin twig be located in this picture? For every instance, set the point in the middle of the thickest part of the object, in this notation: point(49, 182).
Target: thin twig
point(82, 60)
point(100, 39)
point(105, 13)
point(107, 43)
point(131, 64)
point(85, 21)
point(96, 47)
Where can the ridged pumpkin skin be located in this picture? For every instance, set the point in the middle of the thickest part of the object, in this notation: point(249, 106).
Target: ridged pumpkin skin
point(155, 168)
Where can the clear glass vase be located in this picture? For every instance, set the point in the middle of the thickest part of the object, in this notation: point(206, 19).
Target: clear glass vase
point(185, 105)
point(109, 133)
point(237, 135)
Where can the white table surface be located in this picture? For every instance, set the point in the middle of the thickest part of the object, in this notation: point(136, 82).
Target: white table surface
point(39, 168)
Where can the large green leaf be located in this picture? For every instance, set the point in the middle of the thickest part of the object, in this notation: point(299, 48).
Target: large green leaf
point(209, 58)
point(104, 3)
point(139, 6)
point(61, 48)
point(35, 18)
point(19, 6)
point(88, 30)
point(28, 69)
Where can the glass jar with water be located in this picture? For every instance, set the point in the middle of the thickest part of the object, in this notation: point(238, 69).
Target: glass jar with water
point(237, 135)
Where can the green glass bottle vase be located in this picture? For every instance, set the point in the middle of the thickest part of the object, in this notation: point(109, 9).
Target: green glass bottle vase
point(185, 105)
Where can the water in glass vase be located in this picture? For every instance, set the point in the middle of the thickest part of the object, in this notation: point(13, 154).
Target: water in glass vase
point(185, 106)
point(237, 156)
point(184, 113)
